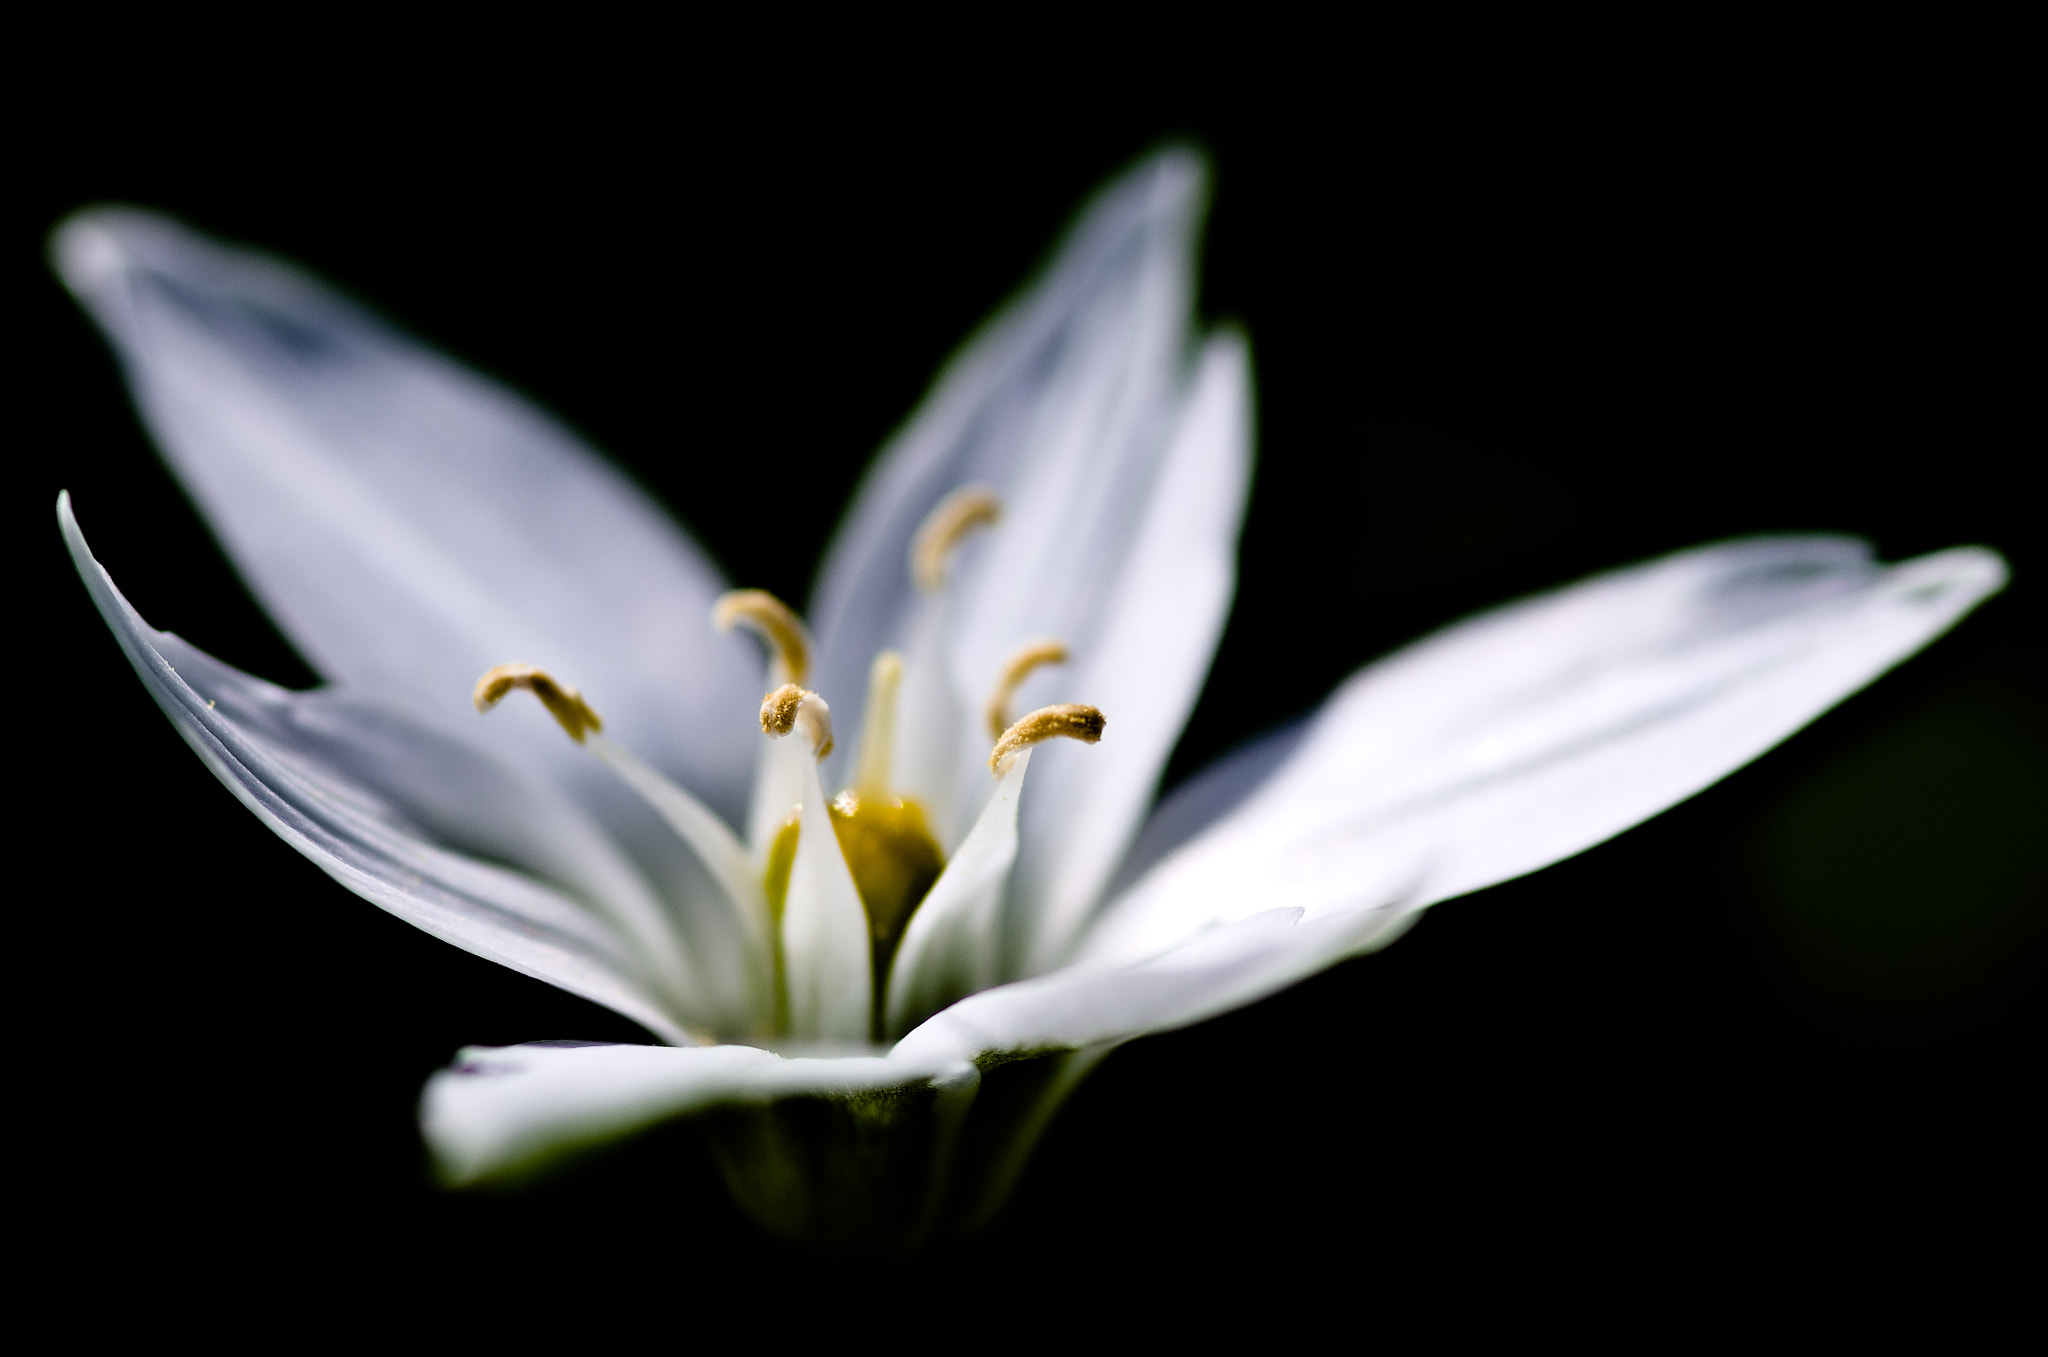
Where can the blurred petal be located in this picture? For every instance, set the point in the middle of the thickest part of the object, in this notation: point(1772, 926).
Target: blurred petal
point(1064, 403)
point(949, 950)
point(342, 782)
point(1531, 733)
point(826, 959)
point(1162, 618)
point(503, 1108)
point(406, 522)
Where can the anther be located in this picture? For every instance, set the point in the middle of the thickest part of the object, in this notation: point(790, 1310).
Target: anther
point(769, 618)
point(1070, 720)
point(564, 703)
point(790, 706)
point(1016, 669)
point(878, 725)
point(943, 529)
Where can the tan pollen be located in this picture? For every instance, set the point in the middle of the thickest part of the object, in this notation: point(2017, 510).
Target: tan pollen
point(564, 703)
point(768, 617)
point(1068, 720)
point(943, 529)
point(1016, 669)
point(789, 707)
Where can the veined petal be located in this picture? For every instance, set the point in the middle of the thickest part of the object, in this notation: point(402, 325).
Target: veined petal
point(1531, 733)
point(345, 783)
point(406, 522)
point(1162, 619)
point(1064, 403)
point(826, 959)
point(951, 947)
point(499, 1109)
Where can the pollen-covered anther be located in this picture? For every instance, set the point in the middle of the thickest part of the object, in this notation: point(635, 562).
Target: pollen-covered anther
point(1068, 720)
point(789, 707)
point(768, 617)
point(945, 527)
point(1016, 669)
point(564, 703)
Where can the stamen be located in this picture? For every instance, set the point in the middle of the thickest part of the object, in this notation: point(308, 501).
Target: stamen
point(564, 703)
point(878, 725)
point(1072, 720)
point(769, 618)
point(1016, 669)
point(790, 706)
point(943, 529)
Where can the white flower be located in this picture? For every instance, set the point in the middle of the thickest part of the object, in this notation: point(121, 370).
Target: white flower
point(1079, 472)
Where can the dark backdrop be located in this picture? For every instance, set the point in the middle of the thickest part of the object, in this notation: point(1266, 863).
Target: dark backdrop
point(1524, 303)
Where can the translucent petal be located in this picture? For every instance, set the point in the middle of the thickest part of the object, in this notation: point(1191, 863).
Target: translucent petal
point(1161, 619)
point(826, 959)
point(1223, 968)
point(503, 1108)
point(733, 894)
point(1536, 731)
point(951, 947)
point(406, 522)
point(374, 799)
point(1064, 403)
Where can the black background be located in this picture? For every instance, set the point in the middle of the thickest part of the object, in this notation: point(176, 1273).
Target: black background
point(1524, 301)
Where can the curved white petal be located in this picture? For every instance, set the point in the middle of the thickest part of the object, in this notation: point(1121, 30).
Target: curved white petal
point(1534, 732)
point(501, 1108)
point(732, 903)
point(406, 522)
point(827, 961)
point(952, 943)
point(1223, 968)
point(1205, 798)
point(1064, 403)
point(347, 784)
point(1161, 620)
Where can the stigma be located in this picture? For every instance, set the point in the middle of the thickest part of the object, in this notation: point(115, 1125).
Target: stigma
point(1068, 720)
point(768, 617)
point(563, 702)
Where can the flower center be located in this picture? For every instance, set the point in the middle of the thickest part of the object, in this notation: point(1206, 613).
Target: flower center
point(884, 835)
point(888, 845)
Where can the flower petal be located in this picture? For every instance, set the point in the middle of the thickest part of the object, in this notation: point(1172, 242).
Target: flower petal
point(949, 949)
point(1162, 618)
point(827, 963)
point(406, 522)
point(1531, 733)
point(499, 1109)
point(1211, 973)
point(1064, 403)
point(347, 783)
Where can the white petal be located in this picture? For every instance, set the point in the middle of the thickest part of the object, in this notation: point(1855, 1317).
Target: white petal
point(501, 1108)
point(731, 906)
point(952, 945)
point(406, 522)
point(343, 783)
point(1224, 968)
point(827, 961)
point(1534, 732)
point(1205, 798)
point(1163, 616)
point(1064, 403)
